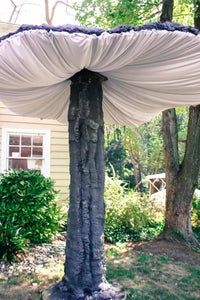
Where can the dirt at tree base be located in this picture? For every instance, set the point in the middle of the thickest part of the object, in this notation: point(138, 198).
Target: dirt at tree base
point(176, 250)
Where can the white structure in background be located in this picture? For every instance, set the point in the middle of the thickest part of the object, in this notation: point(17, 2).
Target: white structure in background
point(7, 27)
point(157, 188)
point(156, 183)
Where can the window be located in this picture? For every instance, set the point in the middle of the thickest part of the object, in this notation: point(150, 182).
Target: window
point(26, 149)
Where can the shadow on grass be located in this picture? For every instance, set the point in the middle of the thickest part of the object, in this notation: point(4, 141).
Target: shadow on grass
point(146, 276)
point(22, 287)
point(143, 275)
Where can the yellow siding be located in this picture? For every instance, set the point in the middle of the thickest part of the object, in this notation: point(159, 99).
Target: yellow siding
point(7, 27)
point(59, 153)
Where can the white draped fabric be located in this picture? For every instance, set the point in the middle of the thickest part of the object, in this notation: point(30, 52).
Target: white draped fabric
point(148, 71)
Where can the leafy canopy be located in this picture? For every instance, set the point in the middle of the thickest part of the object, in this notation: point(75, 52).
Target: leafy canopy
point(111, 13)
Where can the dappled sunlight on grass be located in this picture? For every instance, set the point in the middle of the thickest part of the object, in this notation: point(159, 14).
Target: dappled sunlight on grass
point(22, 287)
point(143, 275)
point(29, 286)
point(50, 274)
point(146, 276)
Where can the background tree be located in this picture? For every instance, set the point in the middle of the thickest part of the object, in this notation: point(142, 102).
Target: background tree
point(182, 167)
point(132, 153)
point(16, 10)
point(50, 12)
point(144, 148)
point(49, 9)
point(117, 162)
point(109, 13)
point(181, 176)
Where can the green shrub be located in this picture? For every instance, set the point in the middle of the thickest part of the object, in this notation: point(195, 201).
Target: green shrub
point(195, 216)
point(196, 212)
point(129, 216)
point(28, 211)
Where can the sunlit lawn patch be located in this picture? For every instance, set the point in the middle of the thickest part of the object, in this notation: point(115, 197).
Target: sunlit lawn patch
point(143, 275)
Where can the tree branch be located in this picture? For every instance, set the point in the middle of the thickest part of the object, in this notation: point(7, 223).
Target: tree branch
point(17, 9)
point(47, 16)
point(54, 8)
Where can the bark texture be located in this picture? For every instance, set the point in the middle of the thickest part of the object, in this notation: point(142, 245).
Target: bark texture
point(167, 10)
point(84, 266)
point(138, 177)
point(196, 13)
point(181, 179)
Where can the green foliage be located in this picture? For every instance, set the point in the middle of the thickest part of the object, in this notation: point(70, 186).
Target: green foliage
point(109, 13)
point(116, 157)
point(128, 148)
point(142, 148)
point(29, 213)
point(129, 216)
point(184, 11)
point(196, 212)
point(145, 146)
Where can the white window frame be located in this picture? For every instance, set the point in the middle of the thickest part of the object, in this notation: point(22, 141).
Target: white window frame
point(29, 131)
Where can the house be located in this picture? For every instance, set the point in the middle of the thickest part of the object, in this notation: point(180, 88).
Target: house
point(32, 143)
point(5, 28)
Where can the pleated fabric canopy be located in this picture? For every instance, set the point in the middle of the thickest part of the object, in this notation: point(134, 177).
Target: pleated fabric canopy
point(149, 69)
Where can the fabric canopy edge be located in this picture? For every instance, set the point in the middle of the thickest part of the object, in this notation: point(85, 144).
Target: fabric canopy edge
point(98, 31)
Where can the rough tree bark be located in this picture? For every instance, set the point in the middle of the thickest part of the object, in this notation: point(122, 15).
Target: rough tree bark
point(181, 179)
point(84, 267)
point(167, 10)
point(138, 177)
point(197, 13)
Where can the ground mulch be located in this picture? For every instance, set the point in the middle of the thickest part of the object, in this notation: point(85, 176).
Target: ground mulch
point(176, 250)
point(42, 255)
point(37, 257)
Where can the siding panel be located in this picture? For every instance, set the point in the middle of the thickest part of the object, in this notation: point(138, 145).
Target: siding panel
point(59, 154)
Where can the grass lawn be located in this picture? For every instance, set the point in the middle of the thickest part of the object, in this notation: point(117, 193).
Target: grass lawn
point(142, 274)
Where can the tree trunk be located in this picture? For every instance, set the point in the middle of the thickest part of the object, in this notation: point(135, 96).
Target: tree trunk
point(167, 10)
point(178, 210)
point(196, 13)
point(181, 179)
point(138, 177)
point(85, 267)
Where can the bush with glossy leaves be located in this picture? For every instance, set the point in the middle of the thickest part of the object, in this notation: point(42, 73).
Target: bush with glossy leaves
point(28, 211)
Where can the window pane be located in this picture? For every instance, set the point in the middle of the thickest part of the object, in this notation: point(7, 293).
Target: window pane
point(35, 164)
point(14, 139)
point(14, 151)
point(37, 151)
point(14, 163)
point(26, 140)
point(37, 140)
point(25, 151)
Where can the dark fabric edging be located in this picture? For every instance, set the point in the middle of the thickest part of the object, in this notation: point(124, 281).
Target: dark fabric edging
point(98, 31)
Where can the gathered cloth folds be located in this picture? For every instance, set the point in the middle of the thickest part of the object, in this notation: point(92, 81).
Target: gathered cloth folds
point(148, 71)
